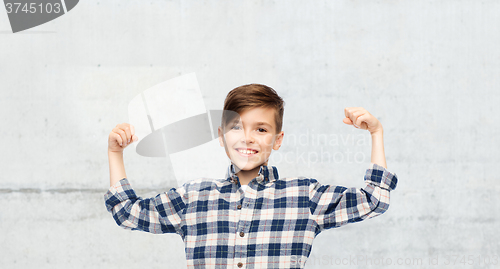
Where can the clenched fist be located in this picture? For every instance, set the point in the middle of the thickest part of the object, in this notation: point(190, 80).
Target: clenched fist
point(120, 137)
point(362, 119)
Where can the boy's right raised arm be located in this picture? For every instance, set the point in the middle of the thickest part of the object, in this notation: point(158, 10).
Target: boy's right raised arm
point(161, 214)
point(120, 137)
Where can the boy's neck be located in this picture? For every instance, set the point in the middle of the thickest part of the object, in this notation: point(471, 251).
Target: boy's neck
point(245, 176)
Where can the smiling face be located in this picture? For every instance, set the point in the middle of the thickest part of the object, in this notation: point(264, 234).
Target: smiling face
point(249, 139)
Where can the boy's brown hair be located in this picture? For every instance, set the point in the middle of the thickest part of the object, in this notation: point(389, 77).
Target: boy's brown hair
point(250, 96)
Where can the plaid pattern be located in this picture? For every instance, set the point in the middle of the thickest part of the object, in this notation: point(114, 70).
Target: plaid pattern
point(270, 225)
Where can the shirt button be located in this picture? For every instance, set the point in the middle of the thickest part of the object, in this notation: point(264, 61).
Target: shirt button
point(242, 234)
point(240, 264)
point(239, 207)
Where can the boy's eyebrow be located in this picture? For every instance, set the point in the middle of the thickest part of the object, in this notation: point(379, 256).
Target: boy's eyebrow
point(259, 123)
point(263, 123)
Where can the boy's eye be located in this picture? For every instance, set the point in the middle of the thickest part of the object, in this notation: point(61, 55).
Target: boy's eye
point(235, 127)
point(262, 130)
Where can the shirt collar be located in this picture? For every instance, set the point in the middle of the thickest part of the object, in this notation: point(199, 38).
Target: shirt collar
point(267, 173)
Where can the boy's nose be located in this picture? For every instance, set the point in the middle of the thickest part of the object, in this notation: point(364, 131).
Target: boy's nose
point(248, 138)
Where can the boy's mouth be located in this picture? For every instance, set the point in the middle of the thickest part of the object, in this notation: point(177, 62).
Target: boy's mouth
point(246, 151)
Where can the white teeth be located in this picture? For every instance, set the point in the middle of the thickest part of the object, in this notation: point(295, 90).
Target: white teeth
point(247, 151)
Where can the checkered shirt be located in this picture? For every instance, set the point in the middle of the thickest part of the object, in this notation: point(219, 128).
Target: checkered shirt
point(271, 224)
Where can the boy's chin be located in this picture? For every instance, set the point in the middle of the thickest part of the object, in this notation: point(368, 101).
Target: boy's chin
point(247, 166)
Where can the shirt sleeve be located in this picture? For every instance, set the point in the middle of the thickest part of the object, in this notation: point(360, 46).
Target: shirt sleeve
point(161, 214)
point(334, 206)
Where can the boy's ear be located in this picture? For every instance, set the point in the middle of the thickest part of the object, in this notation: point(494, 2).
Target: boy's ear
point(278, 141)
point(221, 137)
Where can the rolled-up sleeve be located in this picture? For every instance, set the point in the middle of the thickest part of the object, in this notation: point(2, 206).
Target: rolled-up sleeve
point(160, 214)
point(334, 206)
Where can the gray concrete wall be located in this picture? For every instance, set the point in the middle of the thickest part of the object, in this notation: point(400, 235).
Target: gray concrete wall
point(429, 70)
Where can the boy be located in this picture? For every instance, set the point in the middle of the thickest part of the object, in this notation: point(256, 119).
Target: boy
point(251, 218)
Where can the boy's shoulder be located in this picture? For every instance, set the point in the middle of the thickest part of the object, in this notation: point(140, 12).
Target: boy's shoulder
point(288, 182)
point(203, 184)
point(209, 184)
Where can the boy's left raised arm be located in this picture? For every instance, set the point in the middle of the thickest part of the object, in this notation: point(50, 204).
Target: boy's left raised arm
point(362, 119)
point(334, 206)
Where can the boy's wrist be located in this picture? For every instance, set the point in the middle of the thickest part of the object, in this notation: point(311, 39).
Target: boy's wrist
point(377, 132)
point(116, 167)
point(115, 153)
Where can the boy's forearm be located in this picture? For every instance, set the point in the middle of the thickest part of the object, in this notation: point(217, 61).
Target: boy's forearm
point(116, 167)
point(378, 154)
